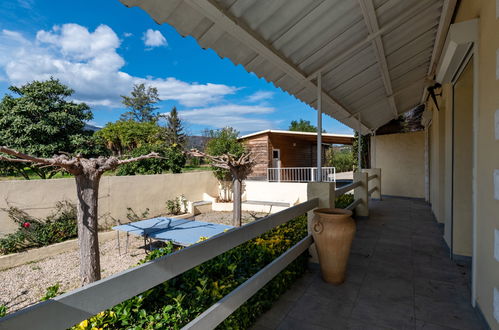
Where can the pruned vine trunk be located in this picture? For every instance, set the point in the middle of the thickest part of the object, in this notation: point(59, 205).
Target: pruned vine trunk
point(237, 216)
point(87, 190)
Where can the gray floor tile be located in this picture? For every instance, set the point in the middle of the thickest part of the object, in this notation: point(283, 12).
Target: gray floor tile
point(450, 314)
point(323, 311)
point(430, 326)
point(399, 276)
point(293, 324)
point(391, 313)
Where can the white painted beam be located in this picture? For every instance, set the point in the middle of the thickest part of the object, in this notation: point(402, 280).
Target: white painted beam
point(443, 27)
point(384, 30)
point(369, 14)
point(239, 30)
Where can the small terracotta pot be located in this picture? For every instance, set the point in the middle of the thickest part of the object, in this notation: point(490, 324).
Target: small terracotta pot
point(333, 231)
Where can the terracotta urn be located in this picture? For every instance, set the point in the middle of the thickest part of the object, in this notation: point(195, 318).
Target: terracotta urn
point(333, 231)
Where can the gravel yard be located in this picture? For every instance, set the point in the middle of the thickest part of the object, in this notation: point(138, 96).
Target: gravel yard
point(25, 285)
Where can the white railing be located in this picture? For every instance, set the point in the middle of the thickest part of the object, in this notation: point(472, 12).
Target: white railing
point(70, 308)
point(300, 174)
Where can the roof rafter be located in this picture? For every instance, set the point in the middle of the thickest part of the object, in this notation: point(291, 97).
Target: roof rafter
point(239, 30)
point(385, 29)
point(371, 21)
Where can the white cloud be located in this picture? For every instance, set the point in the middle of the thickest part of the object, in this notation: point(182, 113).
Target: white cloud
point(88, 62)
point(127, 34)
point(233, 115)
point(154, 38)
point(260, 96)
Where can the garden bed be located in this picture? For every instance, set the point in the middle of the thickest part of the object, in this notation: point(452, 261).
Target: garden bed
point(26, 284)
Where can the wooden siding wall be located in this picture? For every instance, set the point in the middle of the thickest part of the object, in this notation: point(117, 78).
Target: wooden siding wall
point(300, 155)
point(259, 146)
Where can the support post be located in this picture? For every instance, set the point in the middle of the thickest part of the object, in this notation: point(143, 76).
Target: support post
point(376, 182)
point(319, 127)
point(359, 146)
point(361, 192)
point(326, 193)
point(373, 161)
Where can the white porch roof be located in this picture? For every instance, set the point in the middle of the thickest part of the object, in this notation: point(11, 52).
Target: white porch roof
point(374, 55)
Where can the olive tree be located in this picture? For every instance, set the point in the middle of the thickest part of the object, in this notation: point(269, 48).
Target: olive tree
point(239, 168)
point(87, 173)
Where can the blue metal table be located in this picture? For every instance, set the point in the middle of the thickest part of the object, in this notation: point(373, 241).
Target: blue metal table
point(178, 231)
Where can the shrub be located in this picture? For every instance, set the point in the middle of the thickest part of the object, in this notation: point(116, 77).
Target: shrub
point(343, 201)
point(177, 206)
point(3, 310)
point(52, 291)
point(174, 303)
point(132, 216)
point(33, 232)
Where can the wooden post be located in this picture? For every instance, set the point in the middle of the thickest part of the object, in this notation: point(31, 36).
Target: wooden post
point(360, 192)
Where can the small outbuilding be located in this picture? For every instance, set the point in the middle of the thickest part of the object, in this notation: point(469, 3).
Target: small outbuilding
point(275, 149)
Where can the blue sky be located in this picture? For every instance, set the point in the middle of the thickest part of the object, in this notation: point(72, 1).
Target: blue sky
point(101, 48)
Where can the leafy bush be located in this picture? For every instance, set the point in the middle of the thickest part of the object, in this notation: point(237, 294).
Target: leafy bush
point(33, 232)
point(3, 310)
point(174, 303)
point(177, 206)
point(52, 291)
point(343, 201)
point(132, 216)
point(172, 159)
point(343, 160)
point(221, 142)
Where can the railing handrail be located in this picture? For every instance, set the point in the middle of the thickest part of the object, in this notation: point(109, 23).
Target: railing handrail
point(283, 168)
point(70, 308)
point(219, 311)
point(347, 188)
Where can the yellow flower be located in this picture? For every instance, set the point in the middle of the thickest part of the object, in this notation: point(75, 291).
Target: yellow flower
point(83, 324)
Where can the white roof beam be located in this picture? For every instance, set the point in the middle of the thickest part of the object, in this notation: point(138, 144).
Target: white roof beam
point(421, 5)
point(240, 31)
point(371, 21)
point(443, 27)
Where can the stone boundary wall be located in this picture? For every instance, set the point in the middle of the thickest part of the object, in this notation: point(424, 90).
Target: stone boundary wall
point(116, 194)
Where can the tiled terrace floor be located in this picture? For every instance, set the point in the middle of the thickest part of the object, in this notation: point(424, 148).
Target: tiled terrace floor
point(399, 277)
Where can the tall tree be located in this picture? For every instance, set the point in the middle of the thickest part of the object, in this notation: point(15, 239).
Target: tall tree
point(223, 141)
point(87, 173)
point(40, 121)
point(141, 104)
point(174, 130)
point(122, 137)
point(302, 126)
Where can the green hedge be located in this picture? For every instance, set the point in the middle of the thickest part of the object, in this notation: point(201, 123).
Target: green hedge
point(343, 201)
point(174, 303)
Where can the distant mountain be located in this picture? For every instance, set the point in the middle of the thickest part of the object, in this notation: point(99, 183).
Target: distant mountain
point(197, 142)
point(92, 128)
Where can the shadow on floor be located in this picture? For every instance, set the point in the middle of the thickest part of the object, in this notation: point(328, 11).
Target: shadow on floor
point(399, 277)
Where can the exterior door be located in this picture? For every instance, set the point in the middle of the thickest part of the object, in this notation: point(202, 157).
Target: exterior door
point(462, 163)
point(276, 158)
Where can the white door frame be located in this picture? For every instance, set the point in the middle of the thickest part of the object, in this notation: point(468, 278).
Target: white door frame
point(461, 43)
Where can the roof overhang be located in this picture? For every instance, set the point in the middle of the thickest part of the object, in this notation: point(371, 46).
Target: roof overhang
point(374, 56)
point(327, 138)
